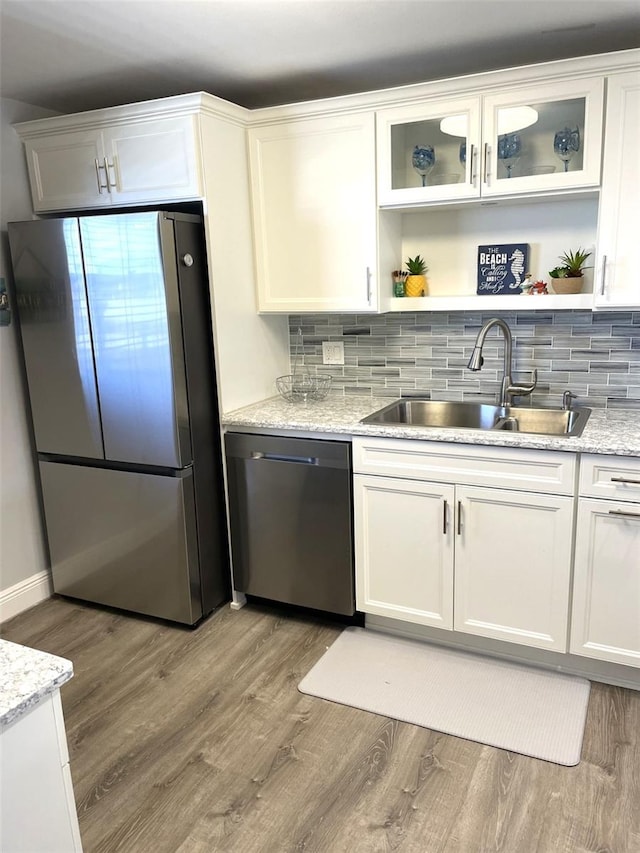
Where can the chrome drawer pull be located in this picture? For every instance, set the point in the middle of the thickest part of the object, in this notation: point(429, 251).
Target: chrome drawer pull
point(625, 514)
point(625, 480)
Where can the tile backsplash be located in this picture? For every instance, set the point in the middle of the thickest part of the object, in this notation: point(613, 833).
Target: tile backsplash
point(594, 355)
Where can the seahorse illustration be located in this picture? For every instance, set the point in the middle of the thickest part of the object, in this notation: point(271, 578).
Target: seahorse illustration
point(517, 268)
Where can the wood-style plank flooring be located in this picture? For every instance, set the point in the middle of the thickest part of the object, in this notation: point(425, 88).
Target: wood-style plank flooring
point(192, 741)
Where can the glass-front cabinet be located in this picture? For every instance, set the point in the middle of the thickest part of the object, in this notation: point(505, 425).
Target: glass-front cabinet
point(543, 138)
point(428, 151)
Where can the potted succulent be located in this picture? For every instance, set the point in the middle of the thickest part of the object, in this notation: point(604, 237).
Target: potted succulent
point(416, 282)
point(568, 277)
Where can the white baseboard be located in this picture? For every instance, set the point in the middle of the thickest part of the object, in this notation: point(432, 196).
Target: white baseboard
point(25, 594)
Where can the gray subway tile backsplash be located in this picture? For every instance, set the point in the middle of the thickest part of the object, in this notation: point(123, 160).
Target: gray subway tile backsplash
point(594, 355)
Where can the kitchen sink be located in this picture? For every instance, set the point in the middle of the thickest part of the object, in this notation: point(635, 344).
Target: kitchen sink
point(484, 416)
point(434, 413)
point(543, 421)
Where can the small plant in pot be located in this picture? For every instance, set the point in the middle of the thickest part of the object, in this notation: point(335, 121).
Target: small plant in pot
point(568, 277)
point(416, 283)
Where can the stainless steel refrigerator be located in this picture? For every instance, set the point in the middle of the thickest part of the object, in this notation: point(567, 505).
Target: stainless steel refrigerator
point(116, 335)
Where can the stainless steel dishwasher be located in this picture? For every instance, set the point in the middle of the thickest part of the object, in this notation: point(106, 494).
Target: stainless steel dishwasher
point(291, 520)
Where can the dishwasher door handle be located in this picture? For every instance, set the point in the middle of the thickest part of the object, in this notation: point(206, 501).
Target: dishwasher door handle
point(281, 457)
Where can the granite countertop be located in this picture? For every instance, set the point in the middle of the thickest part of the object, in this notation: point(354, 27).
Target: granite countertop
point(611, 431)
point(26, 677)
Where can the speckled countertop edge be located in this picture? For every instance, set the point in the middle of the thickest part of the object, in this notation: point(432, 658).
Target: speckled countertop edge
point(27, 676)
point(607, 431)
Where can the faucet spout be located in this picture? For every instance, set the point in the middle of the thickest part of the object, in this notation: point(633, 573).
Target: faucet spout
point(507, 387)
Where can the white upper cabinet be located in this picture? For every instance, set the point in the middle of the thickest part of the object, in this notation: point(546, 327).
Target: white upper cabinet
point(543, 138)
point(616, 274)
point(314, 214)
point(66, 171)
point(539, 139)
point(153, 160)
point(428, 151)
point(129, 163)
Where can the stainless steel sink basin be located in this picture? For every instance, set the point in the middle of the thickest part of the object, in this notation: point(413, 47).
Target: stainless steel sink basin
point(484, 416)
point(569, 422)
point(434, 413)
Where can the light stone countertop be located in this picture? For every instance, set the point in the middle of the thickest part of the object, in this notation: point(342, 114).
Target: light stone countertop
point(612, 431)
point(27, 676)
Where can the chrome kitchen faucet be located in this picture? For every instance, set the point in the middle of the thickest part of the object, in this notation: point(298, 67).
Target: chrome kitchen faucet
point(507, 388)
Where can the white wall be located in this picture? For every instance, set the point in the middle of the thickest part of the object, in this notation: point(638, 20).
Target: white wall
point(23, 559)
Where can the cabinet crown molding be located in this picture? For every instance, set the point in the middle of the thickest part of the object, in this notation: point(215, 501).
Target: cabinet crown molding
point(207, 104)
point(469, 84)
point(196, 103)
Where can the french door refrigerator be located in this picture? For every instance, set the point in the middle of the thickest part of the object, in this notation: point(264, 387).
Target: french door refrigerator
point(116, 335)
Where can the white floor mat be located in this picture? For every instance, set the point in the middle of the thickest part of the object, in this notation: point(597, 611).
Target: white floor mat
point(510, 706)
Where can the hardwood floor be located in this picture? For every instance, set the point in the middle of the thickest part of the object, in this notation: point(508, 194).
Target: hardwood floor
point(198, 741)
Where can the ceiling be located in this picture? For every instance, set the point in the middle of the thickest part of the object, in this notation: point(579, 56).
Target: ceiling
point(71, 55)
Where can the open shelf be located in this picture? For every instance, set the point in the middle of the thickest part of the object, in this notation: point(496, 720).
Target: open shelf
point(448, 239)
point(549, 302)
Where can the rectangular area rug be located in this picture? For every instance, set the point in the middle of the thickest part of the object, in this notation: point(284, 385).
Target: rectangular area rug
point(511, 706)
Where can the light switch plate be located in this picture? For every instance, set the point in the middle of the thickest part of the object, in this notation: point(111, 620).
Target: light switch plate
point(332, 353)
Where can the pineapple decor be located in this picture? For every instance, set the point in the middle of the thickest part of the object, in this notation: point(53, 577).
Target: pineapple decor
point(416, 283)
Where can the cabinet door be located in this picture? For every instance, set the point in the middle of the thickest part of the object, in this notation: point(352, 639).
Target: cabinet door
point(404, 549)
point(428, 152)
point(153, 160)
point(546, 137)
point(34, 768)
point(67, 171)
point(513, 563)
point(314, 210)
point(606, 597)
point(617, 280)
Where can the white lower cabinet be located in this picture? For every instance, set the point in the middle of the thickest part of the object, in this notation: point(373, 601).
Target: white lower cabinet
point(404, 549)
point(606, 600)
point(37, 807)
point(489, 561)
point(513, 566)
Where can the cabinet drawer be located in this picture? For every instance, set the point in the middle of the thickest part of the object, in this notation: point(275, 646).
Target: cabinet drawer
point(546, 471)
point(615, 477)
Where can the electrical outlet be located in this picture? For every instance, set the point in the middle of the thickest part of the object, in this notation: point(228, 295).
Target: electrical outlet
point(332, 353)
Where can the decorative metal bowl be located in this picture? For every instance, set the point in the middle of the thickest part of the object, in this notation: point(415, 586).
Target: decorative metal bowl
point(300, 387)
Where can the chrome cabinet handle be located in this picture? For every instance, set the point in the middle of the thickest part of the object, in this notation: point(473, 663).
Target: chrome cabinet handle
point(623, 513)
point(444, 516)
point(369, 285)
point(604, 274)
point(459, 518)
point(111, 185)
point(625, 480)
point(473, 171)
point(487, 151)
point(101, 186)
